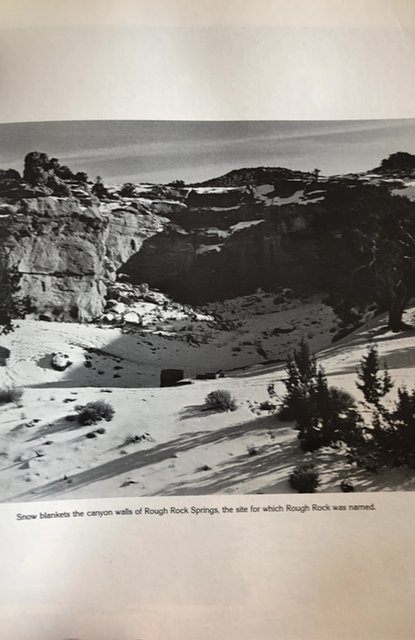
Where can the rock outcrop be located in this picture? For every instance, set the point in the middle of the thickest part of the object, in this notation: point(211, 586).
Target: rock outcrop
point(67, 253)
point(254, 247)
point(70, 239)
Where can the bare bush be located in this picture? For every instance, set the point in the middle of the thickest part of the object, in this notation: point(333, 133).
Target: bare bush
point(220, 400)
point(10, 394)
point(94, 412)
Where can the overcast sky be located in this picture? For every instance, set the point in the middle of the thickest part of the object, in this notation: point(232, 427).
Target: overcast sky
point(163, 151)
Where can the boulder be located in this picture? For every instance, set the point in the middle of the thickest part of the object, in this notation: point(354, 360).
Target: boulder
point(109, 317)
point(46, 317)
point(184, 382)
point(60, 361)
point(131, 317)
point(119, 308)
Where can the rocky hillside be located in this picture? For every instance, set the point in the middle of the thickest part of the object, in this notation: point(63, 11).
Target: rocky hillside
point(71, 239)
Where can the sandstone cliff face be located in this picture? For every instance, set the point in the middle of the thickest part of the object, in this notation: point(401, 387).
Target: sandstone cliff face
point(166, 261)
point(67, 253)
point(71, 239)
point(205, 263)
point(56, 247)
point(204, 246)
point(125, 234)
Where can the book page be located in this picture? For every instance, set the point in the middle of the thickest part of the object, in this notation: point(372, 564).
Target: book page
point(206, 313)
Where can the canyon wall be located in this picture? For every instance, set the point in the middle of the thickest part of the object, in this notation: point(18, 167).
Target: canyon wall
point(258, 247)
point(195, 246)
point(67, 254)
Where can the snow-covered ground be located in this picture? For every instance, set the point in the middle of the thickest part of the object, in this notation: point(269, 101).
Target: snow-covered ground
point(265, 193)
point(161, 441)
point(407, 190)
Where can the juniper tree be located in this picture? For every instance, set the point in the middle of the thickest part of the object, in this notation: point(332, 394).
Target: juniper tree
point(301, 370)
point(391, 433)
point(323, 414)
point(12, 305)
point(367, 250)
point(373, 384)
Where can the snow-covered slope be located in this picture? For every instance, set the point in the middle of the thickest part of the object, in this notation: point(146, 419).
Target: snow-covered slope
point(161, 441)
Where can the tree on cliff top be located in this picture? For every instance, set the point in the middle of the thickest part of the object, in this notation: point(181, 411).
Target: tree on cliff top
point(37, 168)
point(99, 190)
point(400, 161)
point(40, 170)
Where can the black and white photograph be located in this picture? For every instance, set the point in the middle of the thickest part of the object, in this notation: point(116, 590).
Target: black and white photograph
point(192, 308)
point(207, 319)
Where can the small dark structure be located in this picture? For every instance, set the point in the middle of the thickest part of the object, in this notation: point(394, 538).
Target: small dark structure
point(170, 377)
point(211, 375)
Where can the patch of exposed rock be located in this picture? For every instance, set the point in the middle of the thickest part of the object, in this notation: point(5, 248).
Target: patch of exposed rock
point(138, 307)
point(67, 253)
